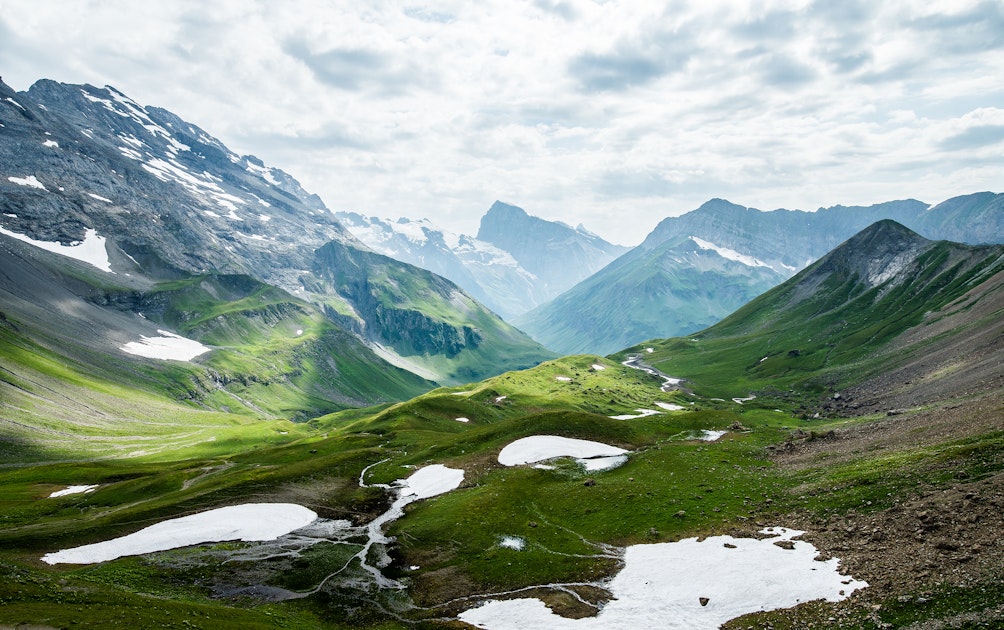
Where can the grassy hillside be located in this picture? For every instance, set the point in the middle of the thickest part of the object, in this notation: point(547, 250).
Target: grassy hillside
point(276, 350)
point(672, 486)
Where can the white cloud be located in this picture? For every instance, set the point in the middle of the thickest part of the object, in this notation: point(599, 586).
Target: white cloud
point(614, 114)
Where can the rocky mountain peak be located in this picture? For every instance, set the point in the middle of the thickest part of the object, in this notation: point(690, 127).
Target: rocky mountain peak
point(879, 253)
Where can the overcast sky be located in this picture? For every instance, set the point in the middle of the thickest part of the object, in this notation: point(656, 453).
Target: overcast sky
point(614, 114)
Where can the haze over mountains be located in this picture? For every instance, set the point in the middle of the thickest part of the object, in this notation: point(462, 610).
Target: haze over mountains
point(173, 200)
point(515, 263)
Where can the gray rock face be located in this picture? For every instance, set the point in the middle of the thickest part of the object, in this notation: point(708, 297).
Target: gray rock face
point(488, 274)
point(164, 192)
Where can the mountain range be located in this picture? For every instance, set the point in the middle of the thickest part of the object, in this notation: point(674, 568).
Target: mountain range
point(693, 270)
point(515, 263)
point(167, 202)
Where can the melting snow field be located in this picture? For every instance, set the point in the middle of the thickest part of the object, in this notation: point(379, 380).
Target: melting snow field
point(669, 406)
point(248, 522)
point(422, 484)
point(515, 543)
point(641, 414)
point(72, 490)
point(91, 250)
point(662, 586)
point(430, 481)
point(537, 448)
point(710, 436)
point(170, 347)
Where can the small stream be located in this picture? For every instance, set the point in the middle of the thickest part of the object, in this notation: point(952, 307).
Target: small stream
point(669, 384)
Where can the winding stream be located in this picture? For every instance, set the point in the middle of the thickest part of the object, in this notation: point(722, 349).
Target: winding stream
point(426, 482)
point(669, 384)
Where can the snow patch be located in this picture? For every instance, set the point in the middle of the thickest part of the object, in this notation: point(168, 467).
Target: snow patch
point(99, 198)
point(30, 181)
point(538, 448)
point(248, 522)
point(729, 254)
point(563, 379)
point(641, 414)
point(73, 490)
point(465, 420)
point(602, 463)
point(710, 436)
point(91, 250)
point(513, 542)
point(669, 406)
point(52, 144)
point(169, 347)
point(663, 586)
point(431, 481)
point(598, 367)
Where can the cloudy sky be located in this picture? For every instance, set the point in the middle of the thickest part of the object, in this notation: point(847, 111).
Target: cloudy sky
point(613, 113)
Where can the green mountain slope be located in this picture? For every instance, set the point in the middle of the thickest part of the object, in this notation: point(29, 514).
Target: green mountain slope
point(418, 319)
point(272, 355)
point(672, 287)
point(914, 484)
point(879, 301)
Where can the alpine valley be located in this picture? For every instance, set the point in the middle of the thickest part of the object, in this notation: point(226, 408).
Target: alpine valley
point(219, 408)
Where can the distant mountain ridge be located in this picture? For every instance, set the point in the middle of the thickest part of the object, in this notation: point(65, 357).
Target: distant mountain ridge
point(516, 262)
point(487, 273)
point(694, 269)
point(557, 254)
point(171, 201)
